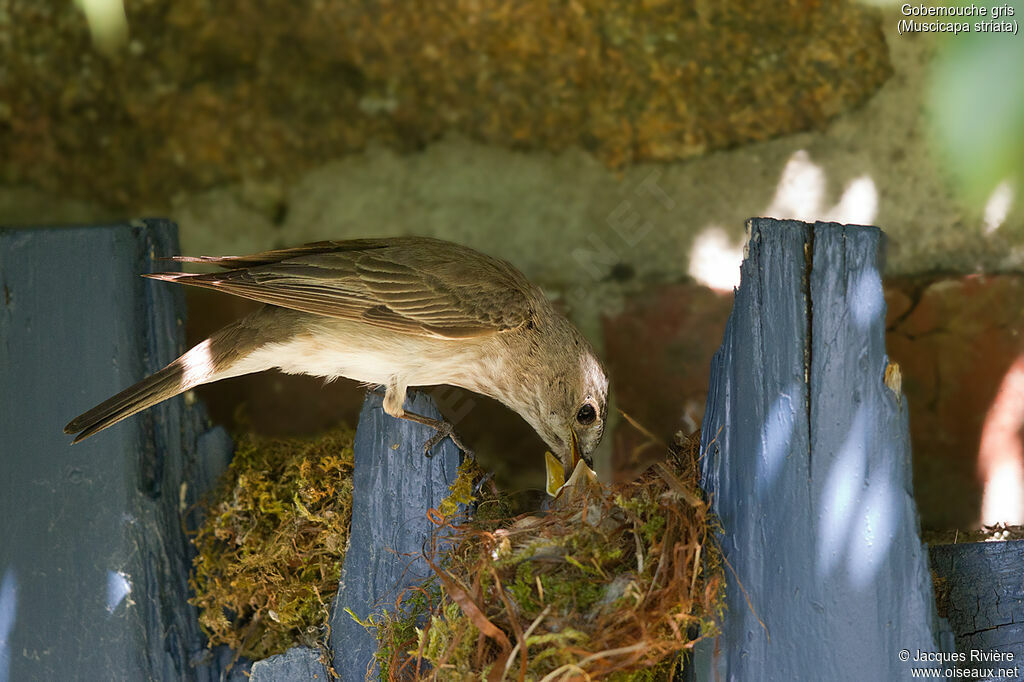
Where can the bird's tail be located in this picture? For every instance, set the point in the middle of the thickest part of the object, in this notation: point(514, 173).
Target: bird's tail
point(165, 384)
point(218, 357)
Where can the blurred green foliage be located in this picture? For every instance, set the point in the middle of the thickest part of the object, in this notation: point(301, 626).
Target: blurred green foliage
point(976, 104)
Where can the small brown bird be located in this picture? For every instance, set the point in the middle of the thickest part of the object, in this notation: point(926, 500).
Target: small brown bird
point(400, 312)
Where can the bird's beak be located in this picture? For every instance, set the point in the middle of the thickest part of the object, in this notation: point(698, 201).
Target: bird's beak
point(576, 454)
point(556, 472)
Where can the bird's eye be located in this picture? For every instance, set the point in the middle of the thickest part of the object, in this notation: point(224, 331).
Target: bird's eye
point(587, 414)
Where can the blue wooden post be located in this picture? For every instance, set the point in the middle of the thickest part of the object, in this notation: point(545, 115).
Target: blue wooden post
point(807, 462)
point(395, 486)
point(93, 560)
point(298, 664)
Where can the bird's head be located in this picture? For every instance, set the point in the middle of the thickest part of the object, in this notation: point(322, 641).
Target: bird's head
point(573, 420)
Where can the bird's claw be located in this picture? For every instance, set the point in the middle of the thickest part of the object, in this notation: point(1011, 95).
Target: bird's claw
point(444, 430)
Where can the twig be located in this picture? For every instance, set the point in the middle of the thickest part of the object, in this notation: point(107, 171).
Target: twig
point(515, 627)
point(677, 486)
point(639, 551)
point(747, 597)
point(632, 648)
point(526, 635)
point(636, 425)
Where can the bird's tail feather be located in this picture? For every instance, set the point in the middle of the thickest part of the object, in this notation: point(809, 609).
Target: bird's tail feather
point(214, 359)
point(158, 387)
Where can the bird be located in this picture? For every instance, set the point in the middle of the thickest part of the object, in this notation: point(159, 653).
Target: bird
point(394, 313)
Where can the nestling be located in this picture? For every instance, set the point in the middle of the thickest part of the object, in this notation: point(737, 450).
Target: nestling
point(399, 312)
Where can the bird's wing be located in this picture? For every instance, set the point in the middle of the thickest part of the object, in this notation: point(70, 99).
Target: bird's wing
point(278, 255)
point(412, 285)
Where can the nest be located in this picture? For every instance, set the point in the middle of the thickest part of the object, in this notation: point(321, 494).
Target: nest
point(271, 547)
point(614, 582)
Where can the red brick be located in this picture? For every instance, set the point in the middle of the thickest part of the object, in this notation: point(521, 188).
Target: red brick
point(955, 339)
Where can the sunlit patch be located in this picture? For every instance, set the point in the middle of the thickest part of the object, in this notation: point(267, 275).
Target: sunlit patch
point(800, 195)
point(8, 612)
point(715, 261)
point(1001, 452)
point(866, 299)
point(858, 205)
point(107, 21)
point(800, 191)
point(874, 531)
point(118, 587)
point(998, 206)
point(1003, 498)
point(197, 365)
point(776, 437)
point(841, 495)
point(859, 518)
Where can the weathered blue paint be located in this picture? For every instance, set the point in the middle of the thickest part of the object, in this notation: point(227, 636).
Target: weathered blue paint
point(299, 664)
point(807, 462)
point(395, 485)
point(93, 560)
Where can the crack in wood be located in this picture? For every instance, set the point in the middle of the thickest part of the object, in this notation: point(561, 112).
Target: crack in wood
point(808, 338)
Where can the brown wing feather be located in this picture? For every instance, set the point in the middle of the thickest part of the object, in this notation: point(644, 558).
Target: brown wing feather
point(411, 284)
point(278, 255)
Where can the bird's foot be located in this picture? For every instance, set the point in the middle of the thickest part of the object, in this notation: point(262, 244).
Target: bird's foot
point(445, 430)
point(442, 429)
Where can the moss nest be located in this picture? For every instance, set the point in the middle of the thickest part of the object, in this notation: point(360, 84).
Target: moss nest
point(612, 583)
point(271, 546)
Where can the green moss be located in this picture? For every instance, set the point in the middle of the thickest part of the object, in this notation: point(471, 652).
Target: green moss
point(396, 633)
point(446, 627)
point(524, 589)
point(271, 547)
point(461, 490)
point(645, 508)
